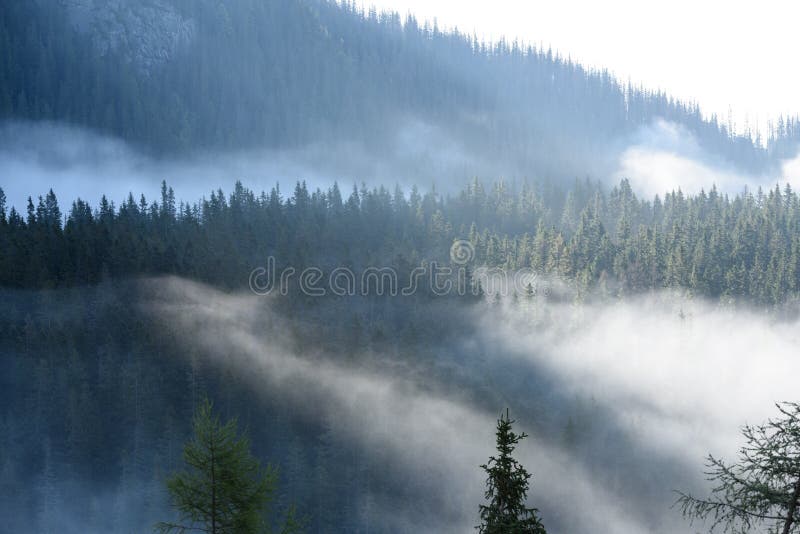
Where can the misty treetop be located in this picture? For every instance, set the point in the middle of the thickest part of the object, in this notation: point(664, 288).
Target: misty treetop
point(283, 73)
point(506, 510)
point(745, 247)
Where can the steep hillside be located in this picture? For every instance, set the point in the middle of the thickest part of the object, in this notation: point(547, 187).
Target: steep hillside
point(180, 75)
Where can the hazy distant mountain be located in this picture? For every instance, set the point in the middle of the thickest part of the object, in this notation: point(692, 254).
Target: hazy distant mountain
point(177, 75)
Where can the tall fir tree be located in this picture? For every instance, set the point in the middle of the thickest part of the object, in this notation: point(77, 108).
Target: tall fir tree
point(507, 487)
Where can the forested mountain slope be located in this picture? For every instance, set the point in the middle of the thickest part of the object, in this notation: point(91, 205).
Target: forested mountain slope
point(178, 75)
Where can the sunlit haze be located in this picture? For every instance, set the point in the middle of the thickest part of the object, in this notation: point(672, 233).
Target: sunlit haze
point(728, 56)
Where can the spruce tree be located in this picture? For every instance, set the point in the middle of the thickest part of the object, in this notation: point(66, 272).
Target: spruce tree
point(507, 487)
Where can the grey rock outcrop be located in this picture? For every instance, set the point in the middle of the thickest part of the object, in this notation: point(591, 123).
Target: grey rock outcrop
point(145, 32)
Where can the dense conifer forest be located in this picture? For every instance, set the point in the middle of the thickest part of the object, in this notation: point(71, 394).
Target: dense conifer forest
point(745, 247)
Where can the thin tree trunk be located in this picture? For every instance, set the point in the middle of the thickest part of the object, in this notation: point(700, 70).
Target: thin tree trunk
point(787, 527)
point(213, 494)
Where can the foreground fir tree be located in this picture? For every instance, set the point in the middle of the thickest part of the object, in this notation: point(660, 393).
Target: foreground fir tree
point(224, 490)
point(507, 488)
point(762, 489)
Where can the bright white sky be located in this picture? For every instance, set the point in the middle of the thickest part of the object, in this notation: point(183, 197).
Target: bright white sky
point(726, 55)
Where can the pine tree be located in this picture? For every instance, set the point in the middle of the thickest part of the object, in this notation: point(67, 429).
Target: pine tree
point(762, 488)
point(507, 488)
point(224, 490)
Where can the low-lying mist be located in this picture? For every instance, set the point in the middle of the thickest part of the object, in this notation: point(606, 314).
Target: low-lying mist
point(661, 157)
point(646, 387)
point(75, 162)
point(664, 156)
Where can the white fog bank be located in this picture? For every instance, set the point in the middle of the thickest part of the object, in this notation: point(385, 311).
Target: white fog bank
point(78, 163)
point(681, 376)
point(664, 157)
point(678, 379)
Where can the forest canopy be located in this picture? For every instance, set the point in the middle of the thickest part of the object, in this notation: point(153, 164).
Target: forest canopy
point(745, 247)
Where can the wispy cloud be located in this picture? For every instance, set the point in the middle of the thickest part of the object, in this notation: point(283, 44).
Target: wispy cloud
point(665, 157)
point(676, 378)
point(77, 162)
